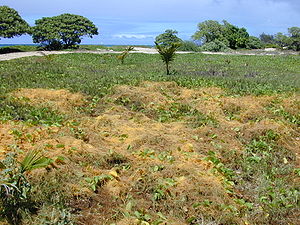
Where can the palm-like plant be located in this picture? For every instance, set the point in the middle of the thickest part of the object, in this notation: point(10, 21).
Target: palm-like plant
point(34, 160)
point(14, 186)
point(125, 54)
point(167, 53)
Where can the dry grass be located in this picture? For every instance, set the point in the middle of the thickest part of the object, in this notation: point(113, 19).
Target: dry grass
point(157, 168)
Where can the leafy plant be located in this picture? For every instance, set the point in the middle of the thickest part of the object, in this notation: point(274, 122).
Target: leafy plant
point(125, 54)
point(219, 166)
point(161, 191)
point(167, 53)
point(15, 189)
point(215, 46)
point(98, 181)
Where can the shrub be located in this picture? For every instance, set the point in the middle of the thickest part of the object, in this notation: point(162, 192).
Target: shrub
point(254, 43)
point(189, 46)
point(214, 46)
point(271, 46)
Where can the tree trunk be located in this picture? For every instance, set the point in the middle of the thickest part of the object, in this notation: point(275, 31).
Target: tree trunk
point(168, 70)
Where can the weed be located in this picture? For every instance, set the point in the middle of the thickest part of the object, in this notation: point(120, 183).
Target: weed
point(15, 188)
point(98, 181)
point(143, 217)
point(281, 112)
point(161, 191)
point(114, 159)
point(147, 153)
point(166, 156)
point(219, 166)
point(77, 131)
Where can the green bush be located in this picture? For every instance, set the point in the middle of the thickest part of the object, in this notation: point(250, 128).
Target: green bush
point(215, 46)
point(189, 46)
point(254, 43)
point(271, 46)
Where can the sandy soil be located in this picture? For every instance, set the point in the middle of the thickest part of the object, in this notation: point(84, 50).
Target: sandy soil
point(16, 55)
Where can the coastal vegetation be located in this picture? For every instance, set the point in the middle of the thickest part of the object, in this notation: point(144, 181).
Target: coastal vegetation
point(67, 30)
point(216, 142)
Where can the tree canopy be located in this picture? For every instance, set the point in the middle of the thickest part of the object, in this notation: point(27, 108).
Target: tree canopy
point(168, 38)
point(11, 23)
point(209, 31)
point(291, 40)
point(294, 33)
point(65, 30)
point(226, 33)
point(266, 38)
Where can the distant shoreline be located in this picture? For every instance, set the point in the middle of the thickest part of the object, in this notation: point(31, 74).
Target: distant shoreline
point(8, 45)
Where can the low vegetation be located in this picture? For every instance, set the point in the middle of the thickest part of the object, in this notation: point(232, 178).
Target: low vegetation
point(216, 142)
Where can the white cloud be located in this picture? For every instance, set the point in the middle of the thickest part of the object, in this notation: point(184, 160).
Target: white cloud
point(136, 36)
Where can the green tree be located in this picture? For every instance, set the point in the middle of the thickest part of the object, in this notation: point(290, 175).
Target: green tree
point(236, 37)
point(11, 23)
point(282, 40)
point(266, 38)
point(167, 53)
point(65, 31)
point(209, 31)
point(254, 43)
point(167, 38)
point(294, 33)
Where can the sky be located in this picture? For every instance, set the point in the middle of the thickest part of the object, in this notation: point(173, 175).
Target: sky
point(138, 22)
